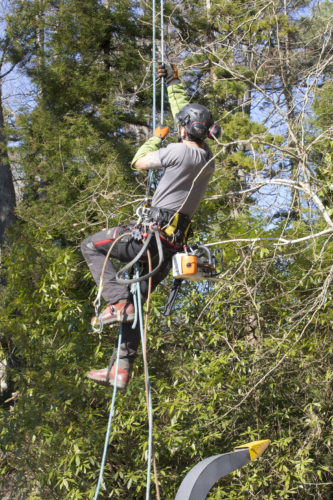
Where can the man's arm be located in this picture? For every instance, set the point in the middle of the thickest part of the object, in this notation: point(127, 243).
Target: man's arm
point(177, 98)
point(150, 160)
point(148, 148)
point(176, 92)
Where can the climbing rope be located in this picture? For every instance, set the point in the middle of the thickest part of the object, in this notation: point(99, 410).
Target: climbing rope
point(108, 430)
point(137, 295)
point(147, 390)
point(154, 65)
point(151, 172)
point(143, 333)
point(162, 61)
point(136, 289)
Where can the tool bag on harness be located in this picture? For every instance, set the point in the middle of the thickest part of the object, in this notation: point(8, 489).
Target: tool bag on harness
point(174, 225)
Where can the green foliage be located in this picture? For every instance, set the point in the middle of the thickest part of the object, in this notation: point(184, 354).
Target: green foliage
point(247, 359)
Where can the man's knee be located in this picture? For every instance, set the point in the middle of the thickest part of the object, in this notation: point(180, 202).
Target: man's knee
point(87, 246)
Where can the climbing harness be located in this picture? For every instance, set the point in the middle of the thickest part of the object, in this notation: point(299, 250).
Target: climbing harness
point(152, 231)
point(175, 226)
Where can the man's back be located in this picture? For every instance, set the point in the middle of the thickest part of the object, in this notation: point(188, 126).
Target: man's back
point(188, 170)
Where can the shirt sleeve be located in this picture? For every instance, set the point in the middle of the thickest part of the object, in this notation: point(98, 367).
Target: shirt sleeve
point(177, 98)
point(171, 155)
point(151, 145)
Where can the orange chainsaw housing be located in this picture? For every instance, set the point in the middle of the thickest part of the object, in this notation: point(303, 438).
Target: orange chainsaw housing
point(189, 264)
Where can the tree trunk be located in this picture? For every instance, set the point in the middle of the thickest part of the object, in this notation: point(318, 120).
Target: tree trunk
point(7, 191)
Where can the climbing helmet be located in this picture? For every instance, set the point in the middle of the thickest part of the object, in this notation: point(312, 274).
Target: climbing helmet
point(198, 122)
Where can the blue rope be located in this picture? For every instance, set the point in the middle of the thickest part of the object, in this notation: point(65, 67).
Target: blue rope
point(138, 301)
point(135, 303)
point(150, 405)
point(110, 418)
point(162, 60)
point(138, 288)
point(151, 172)
point(154, 65)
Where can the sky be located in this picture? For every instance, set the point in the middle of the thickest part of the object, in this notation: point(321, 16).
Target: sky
point(18, 92)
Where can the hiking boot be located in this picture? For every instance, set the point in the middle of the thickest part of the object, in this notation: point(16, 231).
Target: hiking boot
point(122, 312)
point(106, 377)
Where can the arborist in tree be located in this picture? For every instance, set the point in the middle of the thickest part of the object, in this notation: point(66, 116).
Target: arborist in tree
point(188, 168)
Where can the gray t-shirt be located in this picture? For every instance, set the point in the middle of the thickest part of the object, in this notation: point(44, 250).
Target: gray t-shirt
point(183, 167)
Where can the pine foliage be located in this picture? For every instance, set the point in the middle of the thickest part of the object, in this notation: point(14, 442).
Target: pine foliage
point(249, 358)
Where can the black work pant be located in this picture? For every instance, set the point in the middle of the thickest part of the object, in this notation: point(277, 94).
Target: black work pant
point(94, 249)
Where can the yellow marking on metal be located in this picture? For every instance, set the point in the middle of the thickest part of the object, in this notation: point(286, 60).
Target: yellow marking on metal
point(256, 448)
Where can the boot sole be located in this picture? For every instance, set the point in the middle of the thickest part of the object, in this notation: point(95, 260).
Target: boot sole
point(126, 319)
point(104, 383)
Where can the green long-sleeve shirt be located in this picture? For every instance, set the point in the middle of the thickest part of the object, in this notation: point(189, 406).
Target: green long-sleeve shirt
point(177, 99)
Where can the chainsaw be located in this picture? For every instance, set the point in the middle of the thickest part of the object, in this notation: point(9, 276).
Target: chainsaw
point(197, 264)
